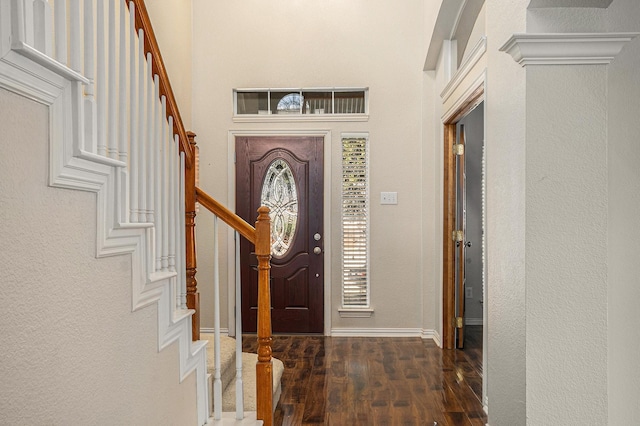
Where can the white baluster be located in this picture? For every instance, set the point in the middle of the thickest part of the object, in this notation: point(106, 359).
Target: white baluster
point(29, 22)
point(75, 54)
point(182, 240)
point(142, 176)
point(149, 130)
point(239, 387)
point(60, 28)
point(157, 181)
point(217, 381)
point(112, 143)
point(134, 111)
point(173, 200)
point(122, 88)
point(181, 264)
point(90, 115)
point(43, 25)
point(164, 177)
point(100, 78)
point(148, 146)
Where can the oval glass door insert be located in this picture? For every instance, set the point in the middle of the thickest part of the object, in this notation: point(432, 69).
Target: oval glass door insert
point(280, 195)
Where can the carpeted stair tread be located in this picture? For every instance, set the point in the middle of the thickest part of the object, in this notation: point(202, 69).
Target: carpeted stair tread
point(249, 361)
point(227, 358)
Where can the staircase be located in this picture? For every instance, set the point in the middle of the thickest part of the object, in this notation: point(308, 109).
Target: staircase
point(228, 373)
point(116, 131)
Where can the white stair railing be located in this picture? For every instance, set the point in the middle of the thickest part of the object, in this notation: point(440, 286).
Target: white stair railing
point(260, 237)
point(125, 118)
point(119, 119)
point(217, 379)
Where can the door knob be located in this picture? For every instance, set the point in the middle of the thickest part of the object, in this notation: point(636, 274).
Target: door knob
point(317, 250)
point(468, 244)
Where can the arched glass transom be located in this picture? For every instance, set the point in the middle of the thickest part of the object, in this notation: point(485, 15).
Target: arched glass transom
point(280, 195)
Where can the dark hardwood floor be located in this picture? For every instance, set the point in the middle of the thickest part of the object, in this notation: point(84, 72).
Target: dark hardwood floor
point(378, 381)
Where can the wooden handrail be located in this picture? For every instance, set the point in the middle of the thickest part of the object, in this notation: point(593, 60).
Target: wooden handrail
point(229, 217)
point(260, 236)
point(143, 22)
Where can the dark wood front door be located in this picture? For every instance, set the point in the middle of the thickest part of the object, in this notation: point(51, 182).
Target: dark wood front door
point(286, 175)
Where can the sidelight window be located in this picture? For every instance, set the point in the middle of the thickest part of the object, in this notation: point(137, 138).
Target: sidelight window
point(355, 222)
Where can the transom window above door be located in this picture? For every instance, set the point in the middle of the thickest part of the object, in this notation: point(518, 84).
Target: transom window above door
point(323, 103)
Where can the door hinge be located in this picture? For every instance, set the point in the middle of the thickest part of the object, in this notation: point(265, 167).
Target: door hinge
point(457, 236)
point(457, 322)
point(458, 149)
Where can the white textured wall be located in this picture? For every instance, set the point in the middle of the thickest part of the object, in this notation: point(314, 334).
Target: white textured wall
point(623, 156)
point(72, 353)
point(566, 250)
point(322, 44)
point(566, 223)
point(505, 150)
point(477, 32)
point(171, 21)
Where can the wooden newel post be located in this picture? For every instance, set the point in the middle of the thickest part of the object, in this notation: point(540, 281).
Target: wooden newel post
point(193, 297)
point(264, 370)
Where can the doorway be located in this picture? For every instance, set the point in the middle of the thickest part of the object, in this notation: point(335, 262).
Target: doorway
point(463, 224)
point(470, 130)
point(286, 174)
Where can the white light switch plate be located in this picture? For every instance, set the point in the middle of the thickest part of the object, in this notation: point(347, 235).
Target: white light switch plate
point(388, 198)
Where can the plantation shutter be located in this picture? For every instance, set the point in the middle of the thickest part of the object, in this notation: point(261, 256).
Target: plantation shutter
point(355, 223)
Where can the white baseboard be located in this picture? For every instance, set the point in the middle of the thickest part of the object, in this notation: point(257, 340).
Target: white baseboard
point(433, 335)
point(473, 321)
point(376, 332)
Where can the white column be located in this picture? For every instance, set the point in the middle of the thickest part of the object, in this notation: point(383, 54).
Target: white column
point(566, 223)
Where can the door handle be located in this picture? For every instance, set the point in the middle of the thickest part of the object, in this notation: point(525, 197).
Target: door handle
point(317, 250)
point(468, 244)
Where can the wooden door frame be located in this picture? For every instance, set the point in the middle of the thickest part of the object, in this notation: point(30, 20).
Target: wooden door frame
point(467, 104)
point(231, 188)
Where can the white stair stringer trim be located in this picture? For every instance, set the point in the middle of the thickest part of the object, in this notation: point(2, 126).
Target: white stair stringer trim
point(71, 166)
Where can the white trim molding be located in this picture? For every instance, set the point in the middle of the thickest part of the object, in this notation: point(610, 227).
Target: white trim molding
point(433, 335)
point(355, 312)
point(211, 330)
point(479, 82)
point(231, 200)
point(566, 48)
point(353, 118)
point(474, 57)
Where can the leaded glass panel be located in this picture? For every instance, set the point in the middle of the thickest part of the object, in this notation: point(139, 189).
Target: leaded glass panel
point(280, 195)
